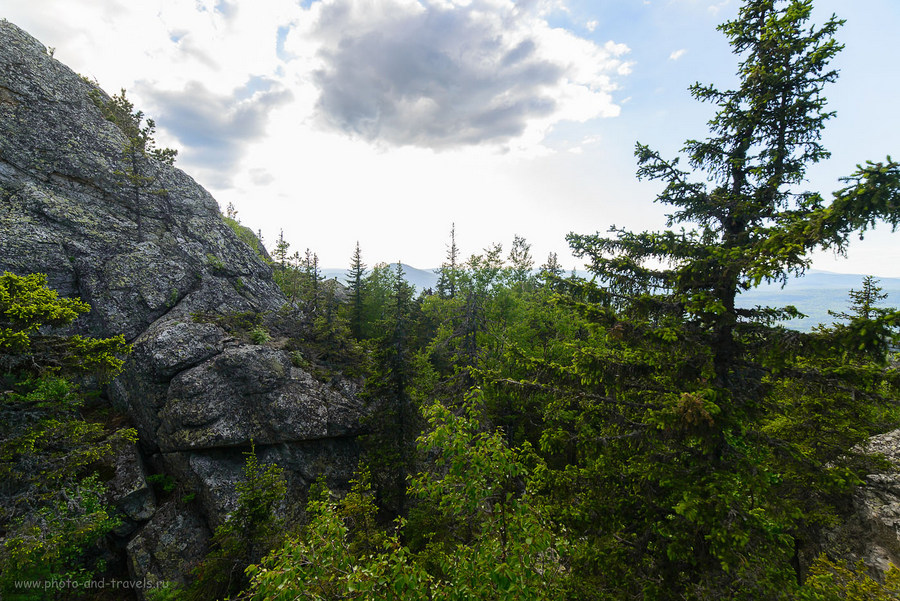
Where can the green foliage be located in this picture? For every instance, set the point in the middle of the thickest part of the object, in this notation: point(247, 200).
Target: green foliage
point(297, 359)
point(521, 262)
point(215, 263)
point(165, 593)
point(505, 550)
point(50, 507)
point(357, 293)
point(319, 566)
point(48, 544)
point(637, 437)
point(259, 335)
point(315, 316)
point(867, 332)
point(393, 416)
point(26, 304)
point(698, 410)
point(164, 483)
point(446, 286)
point(138, 130)
point(280, 254)
point(246, 235)
point(830, 581)
point(495, 542)
point(250, 531)
point(247, 325)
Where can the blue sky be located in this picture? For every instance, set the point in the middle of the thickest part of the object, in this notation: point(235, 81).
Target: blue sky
point(387, 122)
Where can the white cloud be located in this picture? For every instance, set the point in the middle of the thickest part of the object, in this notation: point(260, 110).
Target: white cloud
point(677, 54)
point(429, 73)
point(217, 128)
point(446, 74)
point(236, 86)
point(716, 8)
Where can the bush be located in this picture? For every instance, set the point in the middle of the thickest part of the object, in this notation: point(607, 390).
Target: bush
point(259, 335)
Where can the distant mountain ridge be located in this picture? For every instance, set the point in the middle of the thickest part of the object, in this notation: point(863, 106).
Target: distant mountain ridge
point(420, 278)
point(814, 294)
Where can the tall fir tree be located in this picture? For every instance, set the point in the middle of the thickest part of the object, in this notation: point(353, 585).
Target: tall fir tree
point(864, 302)
point(393, 420)
point(137, 172)
point(356, 291)
point(449, 271)
point(520, 261)
point(280, 254)
point(675, 406)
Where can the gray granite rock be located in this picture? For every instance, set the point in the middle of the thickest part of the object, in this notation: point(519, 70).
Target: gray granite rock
point(169, 546)
point(148, 263)
point(128, 490)
point(66, 213)
point(870, 529)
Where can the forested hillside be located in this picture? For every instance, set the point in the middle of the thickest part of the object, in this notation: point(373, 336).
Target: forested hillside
point(531, 434)
point(643, 436)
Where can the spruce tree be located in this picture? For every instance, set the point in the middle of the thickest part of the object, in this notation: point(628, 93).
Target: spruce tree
point(678, 404)
point(868, 332)
point(391, 442)
point(552, 268)
point(355, 287)
point(449, 271)
point(280, 253)
point(863, 302)
point(520, 260)
point(137, 173)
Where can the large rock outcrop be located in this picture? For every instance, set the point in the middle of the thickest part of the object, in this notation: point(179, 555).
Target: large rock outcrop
point(870, 528)
point(147, 262)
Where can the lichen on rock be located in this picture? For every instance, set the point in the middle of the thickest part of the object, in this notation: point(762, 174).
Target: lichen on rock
point(198, 396)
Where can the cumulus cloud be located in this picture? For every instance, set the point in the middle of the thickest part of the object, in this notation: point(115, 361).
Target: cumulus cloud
point(677, 54)
point(450, 73)
point(214, 129)
point(716, 8)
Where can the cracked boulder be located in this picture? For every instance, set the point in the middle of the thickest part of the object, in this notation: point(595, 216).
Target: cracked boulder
point(160, 267)
point(169, 546)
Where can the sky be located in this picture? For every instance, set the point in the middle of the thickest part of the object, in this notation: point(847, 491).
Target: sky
point(389, 122)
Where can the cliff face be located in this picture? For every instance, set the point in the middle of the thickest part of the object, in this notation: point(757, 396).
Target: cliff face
point(67, 213)
point(146, 262)
point(870, 526)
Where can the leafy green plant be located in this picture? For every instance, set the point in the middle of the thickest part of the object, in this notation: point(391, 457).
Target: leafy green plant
point(246, 235)
point(259, 335)
point(215, 263)
point(162, 482)
point(241, 324)
point(50, 504)
point(298, 360)
point(498, 547)
point(49, 544)
point(836, 581)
